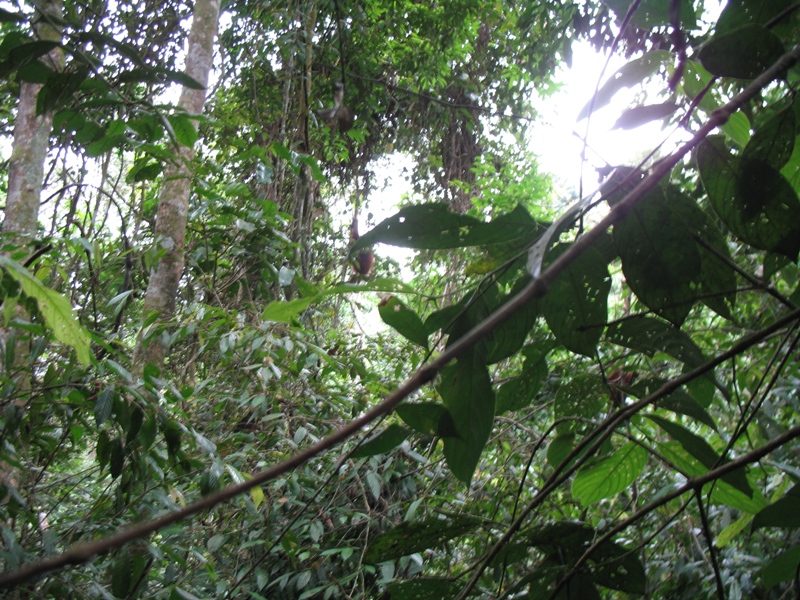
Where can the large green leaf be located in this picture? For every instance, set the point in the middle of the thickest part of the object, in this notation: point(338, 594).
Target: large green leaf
point(383, 442)
point(611, 475)
point(576, 307)
point(435, 226)
point(507, 339)
point(742, 53)
point(410, 537)
point(716, 280)
point(679, 401)
point(747, 12)
point(427, 418)
point(55, 308)
point(583, 396)
point(754, 200)
point(701, 450)
point(404, 320)
point(783, 513)
point(519, 391)
point(773, 142)
point(782, 568)
point(650, 335)
point(659, 258)
point(467, 392)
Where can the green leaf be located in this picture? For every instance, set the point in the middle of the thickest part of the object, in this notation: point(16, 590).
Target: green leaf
point(143, 169)
point(717, 280)
point(408, 538)
point(519, 391)
point(649, 335)
point(116, 458)
point(383, 442)
point(611, 475)
point(576, 307)
point(404, 320)
point(466, 389)
point(773, 142)
point(423, 417)
point(103, 405)
point(507, 339)
point(122, 574)
point(782, 568)
point(55, 309)
point(423, 226)
point(737, 128)
point(583, 396)
point(559, 448)
point(783, 513)
point(184, 129)
point(659, 258)
point(424, 589)
point(183, 79)
point(746, 12)
point(700, 449)
point(678, 401)
point(742, 53)
point(754, 200)
point(646, 113)
point(633, 73)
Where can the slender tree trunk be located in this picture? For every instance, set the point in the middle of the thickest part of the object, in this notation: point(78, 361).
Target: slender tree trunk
point(173, 202)
point(31, 137)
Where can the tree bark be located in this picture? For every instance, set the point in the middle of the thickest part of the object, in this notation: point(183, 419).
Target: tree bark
point(173, 202)
point(31, 137)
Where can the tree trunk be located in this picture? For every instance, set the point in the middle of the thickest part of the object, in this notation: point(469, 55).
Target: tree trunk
point(31, 137)
point(173, 202)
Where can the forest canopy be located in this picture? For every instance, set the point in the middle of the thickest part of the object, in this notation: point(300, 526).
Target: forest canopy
point(218, 380)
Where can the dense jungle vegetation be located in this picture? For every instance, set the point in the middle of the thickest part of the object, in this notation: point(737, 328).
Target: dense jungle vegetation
point(218, 380)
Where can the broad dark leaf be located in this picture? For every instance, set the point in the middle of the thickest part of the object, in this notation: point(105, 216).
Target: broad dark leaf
point(701, 450)
point(782, 568)
point(518, 392)
point(583, 396)
point(410, 537)
point(717, 280)
point(678, 401)
point(748, 12)
point(742, 53)
point(773, 142)
point(424, 417)
point(383, 442)
point(467, 392)
point(576, 307)
point(785, 512)
point(433, 226)
point(650, 335)
point(659, 258)
point(403, 320)
point(754, 200)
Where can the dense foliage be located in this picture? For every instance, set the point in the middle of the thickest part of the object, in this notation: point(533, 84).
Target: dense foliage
point(605, 402)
